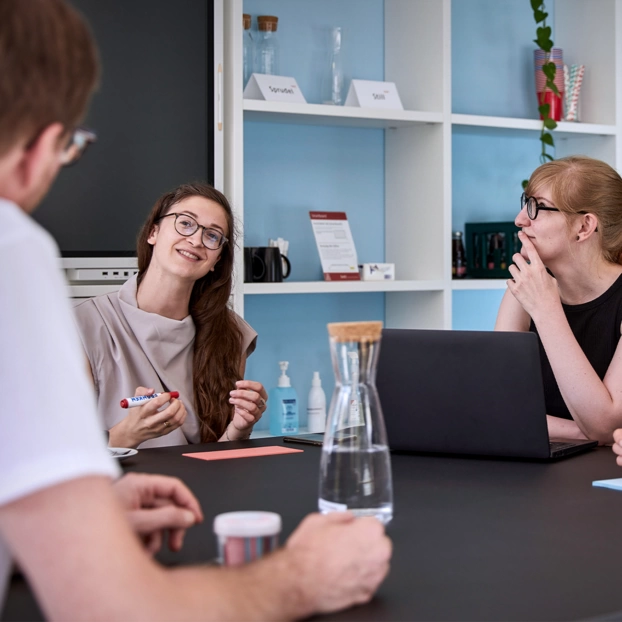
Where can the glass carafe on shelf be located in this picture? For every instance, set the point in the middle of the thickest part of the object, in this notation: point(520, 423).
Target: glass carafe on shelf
point(355, 470)
point(267, 45)
point(248, 50)
point(332, 79)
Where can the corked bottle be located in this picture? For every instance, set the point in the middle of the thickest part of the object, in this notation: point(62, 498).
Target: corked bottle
point(248, 49)
point(355, 470)
point(268, 45)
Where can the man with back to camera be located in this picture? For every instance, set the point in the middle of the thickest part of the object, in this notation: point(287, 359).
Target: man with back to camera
point(61, 518)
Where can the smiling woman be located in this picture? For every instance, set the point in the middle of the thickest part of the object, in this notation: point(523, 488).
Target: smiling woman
point(567, 288)
point(170, 328)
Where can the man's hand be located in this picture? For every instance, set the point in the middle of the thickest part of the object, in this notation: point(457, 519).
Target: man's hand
point(156, 503)
point(341, 560)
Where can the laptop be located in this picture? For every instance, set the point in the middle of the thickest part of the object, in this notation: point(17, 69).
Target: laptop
point(466, 392)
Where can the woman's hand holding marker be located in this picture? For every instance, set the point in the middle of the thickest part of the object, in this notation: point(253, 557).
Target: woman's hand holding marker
point(145, 420)
point(139, 400)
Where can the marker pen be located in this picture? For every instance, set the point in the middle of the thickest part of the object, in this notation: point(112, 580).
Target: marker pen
point(130, 402)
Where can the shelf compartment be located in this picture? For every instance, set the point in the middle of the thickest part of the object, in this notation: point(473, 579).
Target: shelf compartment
point(348, 116)
point(510, 123)
point(342, 287)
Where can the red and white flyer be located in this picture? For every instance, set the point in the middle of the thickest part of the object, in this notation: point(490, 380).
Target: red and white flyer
point(335, 246)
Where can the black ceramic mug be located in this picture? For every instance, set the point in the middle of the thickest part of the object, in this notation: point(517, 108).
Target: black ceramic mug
point(264, 264)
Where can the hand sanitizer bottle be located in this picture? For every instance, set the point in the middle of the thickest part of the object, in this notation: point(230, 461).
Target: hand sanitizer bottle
point(283, 403)
point(316, 405)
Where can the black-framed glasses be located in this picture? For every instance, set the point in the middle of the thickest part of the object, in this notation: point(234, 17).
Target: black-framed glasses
point(533, 207)
point(79, 141)
point(186, 225)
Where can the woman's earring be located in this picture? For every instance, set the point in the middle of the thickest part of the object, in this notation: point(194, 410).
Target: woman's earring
point(577, 238)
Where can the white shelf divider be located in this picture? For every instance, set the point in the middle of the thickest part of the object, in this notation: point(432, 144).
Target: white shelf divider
point(349, 116)
point(342, 287)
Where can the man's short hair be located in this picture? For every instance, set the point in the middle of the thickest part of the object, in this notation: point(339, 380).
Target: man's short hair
point(48, 68)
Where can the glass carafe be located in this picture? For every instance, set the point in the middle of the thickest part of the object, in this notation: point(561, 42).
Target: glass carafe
point(355, 470)
point(332, 80)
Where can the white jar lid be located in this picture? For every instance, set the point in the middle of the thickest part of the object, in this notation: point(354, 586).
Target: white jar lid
point(247, 524)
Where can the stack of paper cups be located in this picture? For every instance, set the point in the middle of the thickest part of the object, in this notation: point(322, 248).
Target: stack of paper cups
point(245, 536)
point(546, 96)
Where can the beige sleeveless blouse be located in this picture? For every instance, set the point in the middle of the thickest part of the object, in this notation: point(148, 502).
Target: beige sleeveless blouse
point(127, 347)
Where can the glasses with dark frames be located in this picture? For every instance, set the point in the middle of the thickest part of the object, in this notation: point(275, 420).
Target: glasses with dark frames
point(533, 207)
point(186, 225)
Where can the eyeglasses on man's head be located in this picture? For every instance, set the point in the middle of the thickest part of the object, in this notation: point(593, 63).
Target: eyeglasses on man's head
point(186, 225)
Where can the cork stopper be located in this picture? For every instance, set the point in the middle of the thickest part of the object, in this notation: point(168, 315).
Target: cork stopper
point(355, 331)
point(267, 23)
point(247, 21)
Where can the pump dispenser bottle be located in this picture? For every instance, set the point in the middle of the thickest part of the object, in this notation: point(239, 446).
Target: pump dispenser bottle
point(316, 405)
point(283, 403)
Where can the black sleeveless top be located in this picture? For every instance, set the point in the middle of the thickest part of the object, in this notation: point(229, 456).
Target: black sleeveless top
point(596, 327)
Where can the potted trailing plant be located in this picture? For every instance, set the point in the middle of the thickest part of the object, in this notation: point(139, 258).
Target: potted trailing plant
point(544, 42)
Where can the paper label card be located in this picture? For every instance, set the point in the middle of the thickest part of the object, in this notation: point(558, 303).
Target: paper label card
point(371, 94)
point(335, 246)
point(273, 89)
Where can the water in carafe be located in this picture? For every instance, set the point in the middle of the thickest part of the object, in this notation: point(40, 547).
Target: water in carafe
point(355, 470)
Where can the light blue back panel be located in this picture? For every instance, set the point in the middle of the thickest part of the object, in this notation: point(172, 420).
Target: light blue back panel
point(492, 57)
point(488, 168)
point(476, 310)
point(293, 328)
point(292, 169)
point(492, 74)
point(303, 38)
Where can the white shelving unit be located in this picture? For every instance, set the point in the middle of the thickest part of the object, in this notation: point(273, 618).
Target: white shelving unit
point(418, 142)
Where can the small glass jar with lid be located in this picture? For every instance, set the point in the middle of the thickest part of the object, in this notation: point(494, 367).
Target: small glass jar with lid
point(268, 45)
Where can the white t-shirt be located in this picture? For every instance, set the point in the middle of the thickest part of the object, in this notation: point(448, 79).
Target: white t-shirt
point(49, 431)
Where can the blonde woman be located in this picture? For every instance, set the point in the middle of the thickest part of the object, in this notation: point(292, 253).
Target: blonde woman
point(566, 287)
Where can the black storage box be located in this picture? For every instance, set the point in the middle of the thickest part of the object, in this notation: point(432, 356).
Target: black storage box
point(489, 249)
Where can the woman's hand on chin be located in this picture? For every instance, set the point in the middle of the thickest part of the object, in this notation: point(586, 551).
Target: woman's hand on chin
point(617, 445)
point(145, 422)
point(531, 284)
point(249, 404)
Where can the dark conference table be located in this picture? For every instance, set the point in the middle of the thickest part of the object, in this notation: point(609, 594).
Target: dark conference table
point(474, 539)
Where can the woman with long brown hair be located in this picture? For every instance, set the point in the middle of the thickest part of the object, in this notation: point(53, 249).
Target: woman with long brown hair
point(566, 287)
point(170, 329)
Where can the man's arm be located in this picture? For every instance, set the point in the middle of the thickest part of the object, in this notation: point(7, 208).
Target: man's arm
point(74, 544)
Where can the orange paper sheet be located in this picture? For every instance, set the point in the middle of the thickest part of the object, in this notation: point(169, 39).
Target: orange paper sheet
point(226, 454)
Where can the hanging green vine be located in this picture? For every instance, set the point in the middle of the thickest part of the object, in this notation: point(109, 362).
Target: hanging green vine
point(544, 42)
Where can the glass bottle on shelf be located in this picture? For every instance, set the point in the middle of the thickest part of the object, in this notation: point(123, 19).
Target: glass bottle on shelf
point(492, 245)
point(458, 256)
point(503, 264)
point(248, 50)
point(332, 80)
point(268, 45)
point(355, 468)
